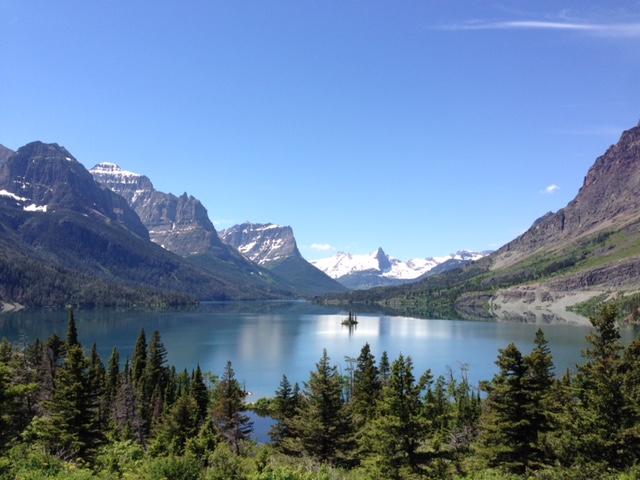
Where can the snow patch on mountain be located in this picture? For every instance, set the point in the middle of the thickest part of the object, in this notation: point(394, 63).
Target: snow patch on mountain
point(261, 243)
point(117, 173)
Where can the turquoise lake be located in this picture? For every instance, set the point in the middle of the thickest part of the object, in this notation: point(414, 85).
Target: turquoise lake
point(265, 340)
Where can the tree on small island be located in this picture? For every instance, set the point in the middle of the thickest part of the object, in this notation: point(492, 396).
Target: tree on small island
point(351, 319)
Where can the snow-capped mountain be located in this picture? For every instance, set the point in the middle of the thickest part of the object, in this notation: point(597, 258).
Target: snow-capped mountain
point(274, 247)
point(378, 268)
point(261, 243)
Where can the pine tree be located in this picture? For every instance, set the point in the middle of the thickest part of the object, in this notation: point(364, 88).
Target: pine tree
point(139, 360)
point(72, 426)
point(72, 332)
point(600, 384)
point(51, 360)
point(630, 371)
point(154, 372)
point(507, 429)
point(198, 390)
point(367, 388)
point(232, 423)
point(394, 437)
point(539, 383)
point(179, 424)
point(125, 411)
point(385, 369)
point(286, 404)
point(113, 374)
point(9, 406)
point(322, 424)
point(97, 383)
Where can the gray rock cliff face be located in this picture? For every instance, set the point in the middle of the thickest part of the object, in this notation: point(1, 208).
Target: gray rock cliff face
point(179, 224)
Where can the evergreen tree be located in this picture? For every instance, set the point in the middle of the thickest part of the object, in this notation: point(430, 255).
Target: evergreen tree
point(367, 388)
point(599, 382)
point(6, 351)
point(10, 395)
point(50, 362)
point(539, 383)
point(286, 403)
point(97, 383)
point(171, 390)
point(322, 424)
point(72, 332)
point(200, 394)
point(394, 437)
point(72, 426)
point(466, 411)
point(385, 369)
point(507, 430)
point(139, 360)
point(233, 424)
point(631, 391)
point(154, 372)
point(125, 409)
point(113, 374)
point(179, 424)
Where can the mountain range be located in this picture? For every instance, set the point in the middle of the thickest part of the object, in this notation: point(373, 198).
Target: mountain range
point(379, 269)
point(564, 265)
point(66, 240)
point(182, 225)
point(108, 238)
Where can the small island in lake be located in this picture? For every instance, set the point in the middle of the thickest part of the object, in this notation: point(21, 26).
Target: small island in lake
point(350, 320)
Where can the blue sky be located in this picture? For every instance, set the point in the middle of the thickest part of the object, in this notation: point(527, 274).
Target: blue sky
point(422, 127)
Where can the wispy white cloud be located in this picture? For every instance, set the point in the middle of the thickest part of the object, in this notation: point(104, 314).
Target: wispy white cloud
point(321, 246)
point(550, 190)
point(608, 30)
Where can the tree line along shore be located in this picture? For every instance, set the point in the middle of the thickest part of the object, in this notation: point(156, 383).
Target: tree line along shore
point(66, 414)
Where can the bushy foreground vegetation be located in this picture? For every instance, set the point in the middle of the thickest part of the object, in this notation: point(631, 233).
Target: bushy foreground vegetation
point(64, 414)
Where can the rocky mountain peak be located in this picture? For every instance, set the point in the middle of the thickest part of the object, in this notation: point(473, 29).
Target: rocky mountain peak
point(609, 196)
point(179, 224)
point(262, 243)
point(128, 184)
point(46, 177)
point(383, 259)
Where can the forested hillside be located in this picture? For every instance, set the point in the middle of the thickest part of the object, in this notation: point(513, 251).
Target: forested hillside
point(65, 414)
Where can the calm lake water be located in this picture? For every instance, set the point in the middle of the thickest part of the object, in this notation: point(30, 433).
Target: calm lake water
point(265, 340)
